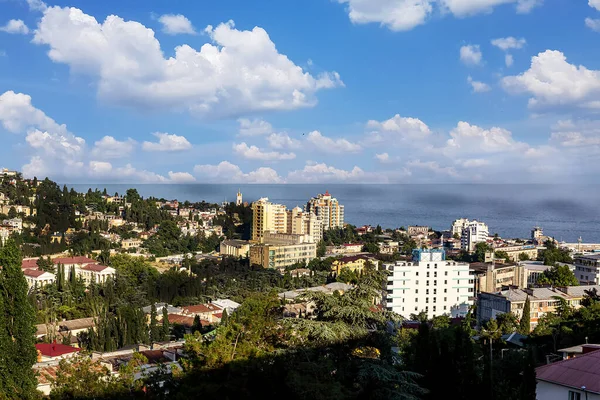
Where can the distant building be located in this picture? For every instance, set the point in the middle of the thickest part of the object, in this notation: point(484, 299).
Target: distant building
point(428, 283)
point(238, 200)
point(363, 230)
point(587, 268)
point(37, 279)
point(474, 232)
point(348, 248)
point(353, 263)
point(234, 248)
point(458, 225)
point(276, 219)
point(536, 234)
point(514, 252)
point(418, 230)
point(327, 209)
point(54, 351)
point(131, 243)
point(278, 256)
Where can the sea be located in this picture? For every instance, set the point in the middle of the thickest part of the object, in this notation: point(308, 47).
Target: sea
point(566, 212)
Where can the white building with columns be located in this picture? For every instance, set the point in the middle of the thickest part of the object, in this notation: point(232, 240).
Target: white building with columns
point(429, 283)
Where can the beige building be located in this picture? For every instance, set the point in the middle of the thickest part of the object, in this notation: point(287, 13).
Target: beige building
point(280, 256)
point(234, 248)
point(328, 210)
point(418, 230)
point(36, 278)
point(275, 218)
point(514, 252)
point(131, 243)
point(25, 210)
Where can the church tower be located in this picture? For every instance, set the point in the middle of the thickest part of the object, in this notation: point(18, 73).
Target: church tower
point(238, 201)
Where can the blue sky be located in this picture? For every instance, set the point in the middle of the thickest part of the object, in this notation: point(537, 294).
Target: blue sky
point(334, 91)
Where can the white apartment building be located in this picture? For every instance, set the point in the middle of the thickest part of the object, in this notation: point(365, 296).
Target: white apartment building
point(327, 209)
point(474, 232)
point(458, 225)
point(276, 219)
point(587, 269)
point(428, 283)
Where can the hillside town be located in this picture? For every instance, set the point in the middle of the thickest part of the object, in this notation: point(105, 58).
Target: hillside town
point(133, 281)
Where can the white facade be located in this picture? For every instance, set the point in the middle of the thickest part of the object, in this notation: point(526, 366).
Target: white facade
point(238, 199)
point(551, 391)
point(458, 225)
point(587, 269)
point(475, 232)
point(328, 210)
point(428, 283)
point(276, 219)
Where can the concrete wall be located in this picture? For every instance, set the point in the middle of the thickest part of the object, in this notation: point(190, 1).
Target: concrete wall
point(549, 391)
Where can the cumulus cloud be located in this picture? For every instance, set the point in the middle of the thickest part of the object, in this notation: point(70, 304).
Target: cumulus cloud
point(15, 26)
point(594, 4)
point(383, 157)
point(329, 145)
point(509, 60)
point(552, 81)
point(395, 129)
point(432, 166)
point(593, 24)
point(464, 8)
point(509, 43)
point(254, 153)
point(573, 134)
point(470, 55)
point(109, 147)
point(228, 172)
point(397, 15)
point(167, 142)
point(128, 63)
point(473, 162)
point(323, 173)
point(17, 114)
point(478, 87)
point(254, 127)
point(467, 138)
point(174, 24)
point(282, 141)
point(181, 177)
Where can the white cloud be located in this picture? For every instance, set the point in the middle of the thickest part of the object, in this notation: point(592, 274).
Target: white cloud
point(282, 141)
point(254, 153)
point(473, 162)
point(583, 133)
point(432, 166)
point(167, 142)
point(470, 55)
point(254, 127)
point(509, 43)
point(509, 60)
point(329, 145)
point(175, 24)
point(552, 81)
point(15, 26)
point(478, 87)
point(323, 173)
point(17, 114)
point(100, 168)
point(228, 172)
point(464, 8)
point(181, 177)
point(383, 157)
point(594, 4)
point(472, 139)
point(37, 5)
point(397, 15)
point(239, 72)
point(130, 174)
point(396, 129)
point(109, 147)
point(593, 24)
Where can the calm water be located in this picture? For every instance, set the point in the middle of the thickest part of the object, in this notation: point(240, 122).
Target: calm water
point(564, 211)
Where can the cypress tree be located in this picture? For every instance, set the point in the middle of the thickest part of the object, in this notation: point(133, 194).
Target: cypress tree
point(165, 324)
point(17, 328)
point(525, 323)
point(197, 326)
point(529, 383)
point(154, 332)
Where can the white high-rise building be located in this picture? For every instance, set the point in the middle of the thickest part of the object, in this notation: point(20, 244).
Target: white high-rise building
point(327, 209)
point(458, 225)
point(474, 232)
point(429, 283)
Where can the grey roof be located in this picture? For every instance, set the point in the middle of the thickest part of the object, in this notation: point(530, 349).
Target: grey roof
point(235, 243)
point(514, 338)
point(338, 286)
point(537, 294)
point(579, 291)
point(159, 307)
point(577, 349)
point(327, 289)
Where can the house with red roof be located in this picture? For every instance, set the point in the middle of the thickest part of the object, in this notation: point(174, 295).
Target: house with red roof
point(572, 379)
point(204, 311)
point(38, 278)
point(54, 351)
point(95, 273)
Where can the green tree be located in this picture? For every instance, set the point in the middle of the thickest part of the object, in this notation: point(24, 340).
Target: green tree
point(165, 334)
point(371, 248)
point(12, 213)
point(481, 249)
point(525, 322)
point(197, 325)
point(523, 257)
point(224, 318)
point(507, 322)
point(501, 255)
point(558, 275)
point(17, 329)
point(321, 249)
point(154, 330)
point(45, 264)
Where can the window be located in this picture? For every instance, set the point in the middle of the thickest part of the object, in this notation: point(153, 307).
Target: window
point(435, 265)
point(445, 282)
point(417, 300)
point(404, 274)
point(417, 291)
point(426, 299)
point(446, 273)
point(417, 282)
point(445, 290)
point(434, 283)
point(445, 308)
point(426, 291)
point(433, 308)
point(434, 299)
point(457, 290)
point(417, 273)
point(445, 299)
point(434, 291)
point(428, 274)
point(574, 395)
point(435, 274)
point(427, 283)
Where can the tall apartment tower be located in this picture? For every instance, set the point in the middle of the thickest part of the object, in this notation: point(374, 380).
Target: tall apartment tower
point(327, 209)
point(238, 200)
point(474, 232)
point(304, 223)
point(267, 217)
point(429, 283)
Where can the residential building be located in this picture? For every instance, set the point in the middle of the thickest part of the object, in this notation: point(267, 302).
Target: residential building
point(15, 223)
point(353, 263)
point(95, 273)
point(587, 268)
point(234, 248)
point(493, 277)
point(25, 210)
point(8, 173)
point(428, 283)
point(54, 351)
point(327, 209)
point(278, 256)
point(267, 217)
point(388, 247)
point(76, 262)
point(573, 379)
point(348, 248)
point(203, 311)
point(159, 309)
point(131, 243)
point(304, 223)
point(36, 278)
point(542, 301)
point(418, 230)
point(330, 288)
point(577, 351)
point(363, 230)
point(537, 234)
point(286, 238)
point(475, 232)
point(514, 252)
point(458, 225)
point(227, 305)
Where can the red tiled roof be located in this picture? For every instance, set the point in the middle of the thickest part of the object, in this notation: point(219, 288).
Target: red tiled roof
point(29, 263)
point(74, 260)
point(154, 356)
point(218, 315)
point(574, 372)
point(201, 308)
point(185, 321)
point(94, 267)
point(55, 349)
point(34, 273)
